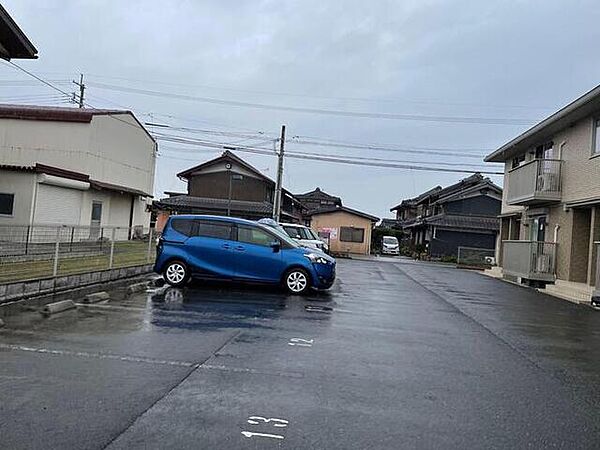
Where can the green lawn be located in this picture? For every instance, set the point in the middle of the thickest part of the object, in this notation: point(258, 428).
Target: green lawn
point(125, 254)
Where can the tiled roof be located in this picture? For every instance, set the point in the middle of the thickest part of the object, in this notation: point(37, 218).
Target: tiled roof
point(333, 209)
point(188, 201)
point(459, 221)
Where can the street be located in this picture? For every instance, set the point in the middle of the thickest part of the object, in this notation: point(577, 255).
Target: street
point(398, 354)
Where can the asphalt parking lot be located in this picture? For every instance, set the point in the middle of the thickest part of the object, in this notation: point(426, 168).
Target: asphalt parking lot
point(398, 354)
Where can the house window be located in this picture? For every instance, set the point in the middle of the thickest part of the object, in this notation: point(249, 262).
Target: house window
point(7, 203)
point(545, 151)
point(516, 162)
point(596, 146)
point(351, 234)
point(269, 195)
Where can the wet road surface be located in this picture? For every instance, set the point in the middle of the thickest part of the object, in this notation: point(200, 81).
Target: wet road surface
point(398, 354)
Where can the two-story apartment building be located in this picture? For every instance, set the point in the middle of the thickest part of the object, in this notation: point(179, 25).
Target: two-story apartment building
point(461, 215)
point(71, 166)
point(551, 204)
point(228, 185)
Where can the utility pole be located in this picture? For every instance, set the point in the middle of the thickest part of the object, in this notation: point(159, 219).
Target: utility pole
point(80, 97)
point(277, 199)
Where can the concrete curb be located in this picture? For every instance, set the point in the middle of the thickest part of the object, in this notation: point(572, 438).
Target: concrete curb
point(137, 287)
point(56, 307)
point(15, 291)
point(96, 297)
point(157, 281)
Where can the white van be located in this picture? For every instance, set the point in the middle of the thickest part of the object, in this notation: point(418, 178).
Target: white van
point(305, 236)
point(390, 246)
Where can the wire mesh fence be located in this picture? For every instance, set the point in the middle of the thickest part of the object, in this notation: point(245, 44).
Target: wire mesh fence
point(40, 251)
point(476, 257)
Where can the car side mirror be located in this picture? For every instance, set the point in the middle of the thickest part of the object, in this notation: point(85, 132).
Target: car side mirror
point(298, 236)
point(276, 246)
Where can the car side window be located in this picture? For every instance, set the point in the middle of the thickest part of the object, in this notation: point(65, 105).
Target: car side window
point(293, 232)
point(256, 236)
point(305, 233)
point(183, 226)
point(213, 229)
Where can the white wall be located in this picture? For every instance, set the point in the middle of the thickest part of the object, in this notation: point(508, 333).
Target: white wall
point(112, 149)
point(22, 185)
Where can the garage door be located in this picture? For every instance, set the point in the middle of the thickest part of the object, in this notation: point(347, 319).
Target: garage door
point(57, 205)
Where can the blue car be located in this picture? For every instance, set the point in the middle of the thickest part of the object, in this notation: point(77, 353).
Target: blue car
point(237, 249)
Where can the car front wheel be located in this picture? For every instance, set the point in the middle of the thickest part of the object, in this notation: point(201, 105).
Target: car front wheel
point(176, 273)
point(297, 281)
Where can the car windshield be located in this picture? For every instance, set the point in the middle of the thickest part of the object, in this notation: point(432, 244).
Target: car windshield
point(278, 231)
point(313, 234)
point(390, 240)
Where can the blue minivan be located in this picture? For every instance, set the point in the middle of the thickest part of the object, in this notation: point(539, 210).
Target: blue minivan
point(237, 249)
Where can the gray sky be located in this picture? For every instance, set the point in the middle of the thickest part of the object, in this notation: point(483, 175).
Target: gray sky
point(492, 59)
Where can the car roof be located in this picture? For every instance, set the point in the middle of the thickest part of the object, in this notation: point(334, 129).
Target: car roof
point(212, 217)
point(293, 225)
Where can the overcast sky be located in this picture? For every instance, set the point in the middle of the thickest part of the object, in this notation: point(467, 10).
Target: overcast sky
point(488, 59)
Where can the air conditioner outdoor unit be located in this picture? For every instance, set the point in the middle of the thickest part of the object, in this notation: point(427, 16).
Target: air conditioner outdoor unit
point(490, 260)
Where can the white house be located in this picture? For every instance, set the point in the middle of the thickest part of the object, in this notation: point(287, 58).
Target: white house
point(71, 166)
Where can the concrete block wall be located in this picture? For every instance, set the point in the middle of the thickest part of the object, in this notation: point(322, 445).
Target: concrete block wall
point(24, 289)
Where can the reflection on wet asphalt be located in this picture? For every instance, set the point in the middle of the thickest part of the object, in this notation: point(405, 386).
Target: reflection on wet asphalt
point(398, 354)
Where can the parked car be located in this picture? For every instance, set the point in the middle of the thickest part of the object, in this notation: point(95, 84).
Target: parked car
point(305, 236)
point(237, 249)
point(300, 233)
point(390, 246)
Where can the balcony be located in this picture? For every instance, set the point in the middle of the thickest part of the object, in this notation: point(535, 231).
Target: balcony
point(537, 181)
point(529, 259)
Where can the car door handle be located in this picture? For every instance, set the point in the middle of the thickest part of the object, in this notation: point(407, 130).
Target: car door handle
point(226, 246)
point(239, 248)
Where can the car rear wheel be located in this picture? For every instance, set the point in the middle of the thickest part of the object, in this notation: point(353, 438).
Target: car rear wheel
point(296, 281)
point(176, 273)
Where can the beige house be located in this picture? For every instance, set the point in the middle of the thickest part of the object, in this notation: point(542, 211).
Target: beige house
point(550, 227)
point(347, 230)
point(70, 166)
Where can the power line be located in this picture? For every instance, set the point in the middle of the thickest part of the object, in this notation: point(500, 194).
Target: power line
point(324, 97)
point(422, 151)
point(316, 157)
point(299, 138)
point(391, 166)
point(331, 112)
point(370, 158)
point(50, 85)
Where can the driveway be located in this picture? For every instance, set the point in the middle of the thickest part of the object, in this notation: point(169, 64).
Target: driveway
point(399, 354)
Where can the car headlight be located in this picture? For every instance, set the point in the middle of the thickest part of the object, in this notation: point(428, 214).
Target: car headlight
point(314, 258)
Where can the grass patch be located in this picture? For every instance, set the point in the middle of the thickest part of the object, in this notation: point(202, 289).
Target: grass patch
point(126, 254)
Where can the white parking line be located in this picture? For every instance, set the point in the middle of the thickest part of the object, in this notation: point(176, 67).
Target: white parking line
point(23, 348)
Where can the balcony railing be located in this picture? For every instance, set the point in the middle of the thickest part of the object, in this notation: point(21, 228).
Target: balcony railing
point(529, 259)
point(536, 181)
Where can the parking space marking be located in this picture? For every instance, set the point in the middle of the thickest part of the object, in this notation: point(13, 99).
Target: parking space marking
point(249, 434)
point(279, 423)
point(23, 348)
point(301, 342)
point(260, 420)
